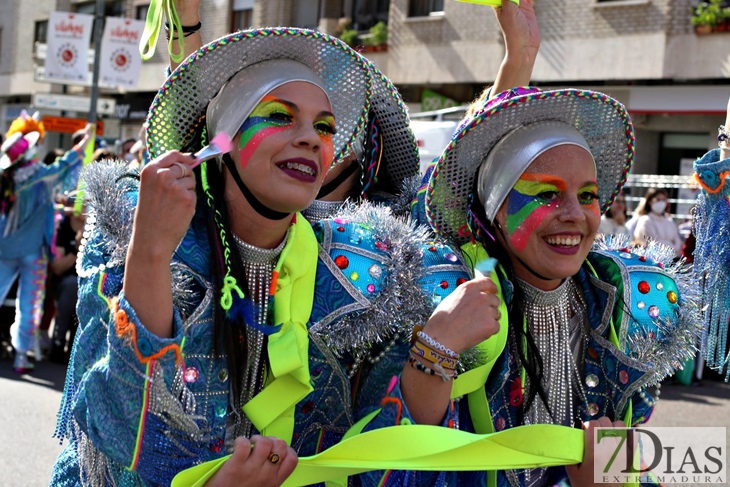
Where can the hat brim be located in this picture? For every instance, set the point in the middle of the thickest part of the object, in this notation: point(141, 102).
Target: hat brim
point(178, 110)
point(603, 121)
point(400, 159)
point(31, 138)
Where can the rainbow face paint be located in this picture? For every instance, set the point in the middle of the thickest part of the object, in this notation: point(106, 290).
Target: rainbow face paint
point(532, 199)
point(529, 202)
point(325, 129)
point(273, 115)
point(588, 197)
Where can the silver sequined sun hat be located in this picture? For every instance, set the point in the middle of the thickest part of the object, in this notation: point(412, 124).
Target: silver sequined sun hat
point(354, 86)
point(603, 122)
point(178, 110)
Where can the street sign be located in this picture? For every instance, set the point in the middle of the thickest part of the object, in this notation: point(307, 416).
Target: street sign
point(53, 101)
point(69, 125)
point(39, 74)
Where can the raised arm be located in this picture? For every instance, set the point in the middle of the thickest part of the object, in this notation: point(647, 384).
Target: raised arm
point(725, 145)
point(189, 13)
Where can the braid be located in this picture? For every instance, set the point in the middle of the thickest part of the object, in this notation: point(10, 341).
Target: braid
point(225, 264)
point(529, 356)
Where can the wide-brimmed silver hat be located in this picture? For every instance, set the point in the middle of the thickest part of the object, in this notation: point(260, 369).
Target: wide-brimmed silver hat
point(602, 121)
point(179, 108)
point(355, 87)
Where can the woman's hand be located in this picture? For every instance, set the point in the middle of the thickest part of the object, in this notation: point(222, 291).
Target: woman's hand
point(165, 208)
point(522, 42)
point(581, 475)
point(467, 316)
point(188, 11)
point(262, 462)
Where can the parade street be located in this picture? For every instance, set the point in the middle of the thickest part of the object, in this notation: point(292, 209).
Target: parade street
point(28, 406)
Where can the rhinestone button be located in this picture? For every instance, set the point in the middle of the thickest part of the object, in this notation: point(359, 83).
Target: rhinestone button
point(623, 377)
point(191, 374)
point(375, 271)
point(592, 409)
point(653, 311)
point(592, 380)
point(223, 375)
point(221, 411)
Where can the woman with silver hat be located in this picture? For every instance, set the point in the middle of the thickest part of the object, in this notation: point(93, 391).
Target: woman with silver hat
point(585, 327)
point(213, 317)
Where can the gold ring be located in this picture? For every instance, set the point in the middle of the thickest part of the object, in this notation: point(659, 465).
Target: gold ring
point(274, 458)
point(183, 169)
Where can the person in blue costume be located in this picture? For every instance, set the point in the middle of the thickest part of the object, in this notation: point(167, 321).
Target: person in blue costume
point(27, 190)
point(586, 326)
point(214, 319)
point(711, 227)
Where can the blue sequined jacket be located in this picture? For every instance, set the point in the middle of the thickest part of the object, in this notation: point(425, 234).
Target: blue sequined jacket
point(629, 293)
point(135, 413)
point(29, 224)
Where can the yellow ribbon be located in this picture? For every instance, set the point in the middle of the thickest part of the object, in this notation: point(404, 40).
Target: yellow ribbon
point(424, 447)
point(153, 26)
point(272, 410)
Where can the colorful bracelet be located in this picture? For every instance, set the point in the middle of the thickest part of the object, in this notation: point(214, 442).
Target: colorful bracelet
point(421, 349)
point(437, 369)
point(433, 343)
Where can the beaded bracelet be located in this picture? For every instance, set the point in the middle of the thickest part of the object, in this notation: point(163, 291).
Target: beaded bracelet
point(187, 30)
point(437, 369)
point(441, 348)
point(422, 350)
point(723, 136)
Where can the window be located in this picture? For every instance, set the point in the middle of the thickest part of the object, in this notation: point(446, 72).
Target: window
point(40, 33)
point(367, 13)
point(242, 17)
point(424, 8)
point(306, 14)
point(140, 12)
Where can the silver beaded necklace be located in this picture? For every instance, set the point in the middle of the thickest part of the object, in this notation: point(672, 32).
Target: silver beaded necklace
point(258, 265)
point(320, 210)
point(558, 323)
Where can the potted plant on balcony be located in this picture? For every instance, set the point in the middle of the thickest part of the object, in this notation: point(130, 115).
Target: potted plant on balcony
point(379, 36)
point(350, 37)
point(708, 16)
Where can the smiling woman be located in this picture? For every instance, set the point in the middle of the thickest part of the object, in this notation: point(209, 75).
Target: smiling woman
point(525, 180)
point(214, 317)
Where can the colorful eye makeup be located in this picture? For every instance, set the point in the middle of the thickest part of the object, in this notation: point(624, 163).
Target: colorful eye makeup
point(528, 204)
point(273, 115)
point(532, 199)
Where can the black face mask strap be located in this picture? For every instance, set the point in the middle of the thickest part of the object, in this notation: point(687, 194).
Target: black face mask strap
point(335, 183)
point(499, 229)
point(259, 207)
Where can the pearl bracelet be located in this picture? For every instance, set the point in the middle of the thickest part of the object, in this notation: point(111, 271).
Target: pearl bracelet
point(436, 345)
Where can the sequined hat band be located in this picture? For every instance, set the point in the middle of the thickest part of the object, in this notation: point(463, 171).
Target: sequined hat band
point(513, 154)
point(239, 96)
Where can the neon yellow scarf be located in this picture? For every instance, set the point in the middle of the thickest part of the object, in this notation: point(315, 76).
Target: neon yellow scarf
point(272, 410)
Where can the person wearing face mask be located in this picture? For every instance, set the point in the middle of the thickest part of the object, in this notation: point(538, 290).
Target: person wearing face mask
point(653, 222)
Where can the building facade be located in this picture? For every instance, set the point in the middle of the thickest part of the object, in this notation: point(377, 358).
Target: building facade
point(645, 53)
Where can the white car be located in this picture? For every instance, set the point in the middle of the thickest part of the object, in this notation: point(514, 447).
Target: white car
point(433, 132)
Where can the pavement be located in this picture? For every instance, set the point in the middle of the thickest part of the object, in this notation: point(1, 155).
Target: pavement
point(29, 403)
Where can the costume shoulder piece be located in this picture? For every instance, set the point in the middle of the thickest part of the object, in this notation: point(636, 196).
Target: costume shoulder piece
point(656, 313)
point(110, 193)
point(396, 281)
